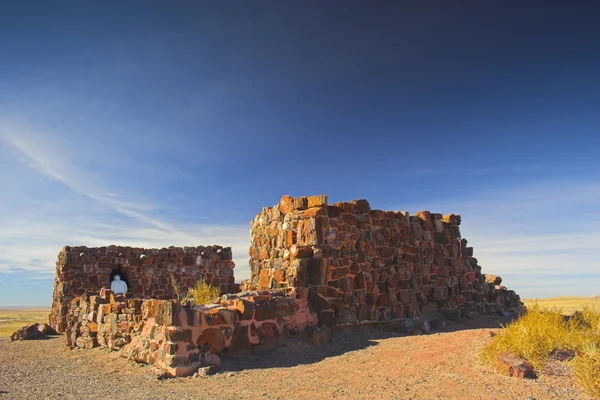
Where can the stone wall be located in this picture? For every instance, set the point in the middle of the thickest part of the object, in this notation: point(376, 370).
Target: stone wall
point(369, 265)
point(311, 264)
point(178, 338)
point(149, 273)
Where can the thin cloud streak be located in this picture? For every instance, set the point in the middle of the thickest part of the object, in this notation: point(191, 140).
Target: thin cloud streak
point(547, 230)
point(39, 156)
point(32, 241)
point(32, 244)
point(502, 225)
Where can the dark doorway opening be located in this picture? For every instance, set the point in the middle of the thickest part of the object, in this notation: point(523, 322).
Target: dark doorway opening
point(119, 271)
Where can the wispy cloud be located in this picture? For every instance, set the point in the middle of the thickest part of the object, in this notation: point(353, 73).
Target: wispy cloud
point(533, 234)
point(95, 214)
point(33, 248)
point(37, 151)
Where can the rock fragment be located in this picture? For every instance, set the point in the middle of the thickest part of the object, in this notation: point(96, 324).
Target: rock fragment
point(512, 365)
point(28, 332)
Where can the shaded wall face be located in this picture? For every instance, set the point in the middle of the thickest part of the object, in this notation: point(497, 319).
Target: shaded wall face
point(149, 273)
point(364, 264)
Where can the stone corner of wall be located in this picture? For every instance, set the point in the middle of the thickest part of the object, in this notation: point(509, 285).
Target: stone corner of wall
point(377, 263)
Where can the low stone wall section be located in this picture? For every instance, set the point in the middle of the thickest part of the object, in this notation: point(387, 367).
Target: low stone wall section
point(181, 338)
point(161, 274)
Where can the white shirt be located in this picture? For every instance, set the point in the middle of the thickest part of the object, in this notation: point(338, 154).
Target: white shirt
point(118, 286)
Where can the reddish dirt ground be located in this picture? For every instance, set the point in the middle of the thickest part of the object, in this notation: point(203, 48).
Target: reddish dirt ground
point(365, 364)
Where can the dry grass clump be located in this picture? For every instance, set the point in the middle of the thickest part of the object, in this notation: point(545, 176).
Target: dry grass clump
point(174, 285)
point(587, 369)
point(203, 293)
point(541, 332)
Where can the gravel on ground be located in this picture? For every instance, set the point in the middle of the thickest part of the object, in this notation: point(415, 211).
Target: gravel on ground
point(359, 364)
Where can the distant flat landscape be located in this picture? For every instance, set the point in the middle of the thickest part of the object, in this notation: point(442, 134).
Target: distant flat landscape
point(13, 318)
point(568, 304)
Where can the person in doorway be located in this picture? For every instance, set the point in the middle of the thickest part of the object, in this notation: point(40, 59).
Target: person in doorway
point(118, 286)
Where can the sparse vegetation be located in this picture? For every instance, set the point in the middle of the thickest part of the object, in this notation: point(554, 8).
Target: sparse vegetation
point(568, 305)
point(174, 284)
point(587, 369)
point(203, 293)
point(12, 319)
point(542, 332)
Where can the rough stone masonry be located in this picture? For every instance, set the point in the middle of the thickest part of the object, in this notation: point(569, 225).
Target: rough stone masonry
point(312, 264)
point(369, 265)
point(149, 273)
point(180, 338)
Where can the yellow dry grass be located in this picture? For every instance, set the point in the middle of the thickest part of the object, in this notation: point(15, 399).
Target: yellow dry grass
point(587, 369)
point(541, 332)
point(568, 305)
point(12, 319)
point(203, 293)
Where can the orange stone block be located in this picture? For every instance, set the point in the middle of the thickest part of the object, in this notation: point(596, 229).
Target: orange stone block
point(313, 212)
point(300, 203)
point(289, 238)
point(425, 216)
point(263, 254)
point(452, 219)
point(301, 251)
point(317, 201)
point(214, 339)
point(273, 232)
point(347, 207)
point(264, 278)
point(239, 305)
point(286, 204)
point(279, 275)
point(303, 232)
point(512, 365)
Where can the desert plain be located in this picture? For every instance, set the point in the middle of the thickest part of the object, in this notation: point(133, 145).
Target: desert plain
point(368, 363)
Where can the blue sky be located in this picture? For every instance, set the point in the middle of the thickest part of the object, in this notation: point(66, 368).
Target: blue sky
point(150, 124)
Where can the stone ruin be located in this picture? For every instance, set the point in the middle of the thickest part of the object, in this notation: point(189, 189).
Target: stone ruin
point(369, 265)
point(313, 266)
point(149, 273)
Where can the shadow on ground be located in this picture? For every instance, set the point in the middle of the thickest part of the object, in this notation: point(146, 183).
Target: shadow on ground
point(290, 352)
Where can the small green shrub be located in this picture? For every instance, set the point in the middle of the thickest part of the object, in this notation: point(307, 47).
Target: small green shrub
point(203, 293)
